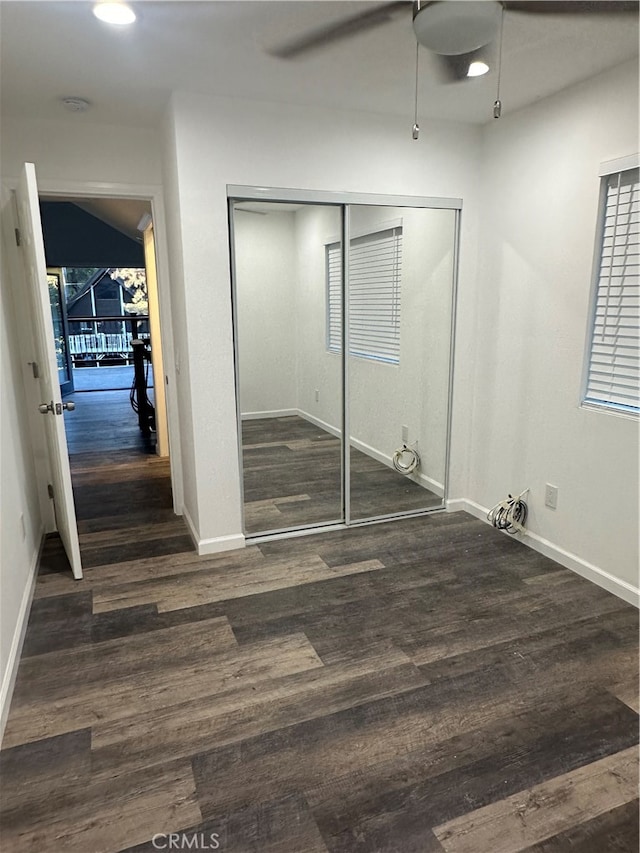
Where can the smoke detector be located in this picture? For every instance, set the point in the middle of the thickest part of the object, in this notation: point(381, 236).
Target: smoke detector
point(76, 105)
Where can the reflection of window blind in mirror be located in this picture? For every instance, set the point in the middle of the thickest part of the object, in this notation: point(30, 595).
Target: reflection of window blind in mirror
point(375, 267)
point(334, 302)
point(613, 377)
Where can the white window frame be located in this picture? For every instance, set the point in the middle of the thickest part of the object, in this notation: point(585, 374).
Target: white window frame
point(375, 344)
point(601, 289)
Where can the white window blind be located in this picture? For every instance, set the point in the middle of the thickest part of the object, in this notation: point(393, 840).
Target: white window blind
point(613, 367)
point(375, 268)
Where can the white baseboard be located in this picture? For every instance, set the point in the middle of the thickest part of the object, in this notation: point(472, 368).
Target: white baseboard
point(221, 543)
point(317, 422)
point(596, 575)
point(422, 479)
point(276, 413)
point(456, 505)
point(13, 661)
point(471, 507)
point(215, 544)
point(431, 484)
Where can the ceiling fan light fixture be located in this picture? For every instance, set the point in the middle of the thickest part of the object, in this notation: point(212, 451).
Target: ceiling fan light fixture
point(114, 13)
point(453, 28)
point(477, 69)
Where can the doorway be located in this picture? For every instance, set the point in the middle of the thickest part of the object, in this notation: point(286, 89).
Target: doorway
point(103, 294)
point(344, 331)
point(101, 267)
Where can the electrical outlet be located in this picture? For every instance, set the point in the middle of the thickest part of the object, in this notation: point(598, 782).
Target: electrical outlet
point(317, 393)
point(405, 434)
point(551, 496)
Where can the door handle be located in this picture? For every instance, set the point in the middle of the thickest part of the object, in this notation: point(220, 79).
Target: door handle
point(56, 408)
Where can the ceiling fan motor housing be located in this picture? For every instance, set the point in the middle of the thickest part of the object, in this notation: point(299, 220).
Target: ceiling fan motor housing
point(453, 27)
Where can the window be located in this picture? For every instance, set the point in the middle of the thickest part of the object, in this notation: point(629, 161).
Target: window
point(613, 358)
point(375, 265)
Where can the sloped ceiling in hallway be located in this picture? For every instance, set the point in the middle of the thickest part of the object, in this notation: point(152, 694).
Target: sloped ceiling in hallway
point(75, 237)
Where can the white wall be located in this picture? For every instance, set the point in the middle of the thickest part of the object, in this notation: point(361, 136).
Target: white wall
point(220, 142)
point(22, 520)
point(266, 311)
point(178, 297)
point(539, 209)
point(75, 149)
point(318, 370)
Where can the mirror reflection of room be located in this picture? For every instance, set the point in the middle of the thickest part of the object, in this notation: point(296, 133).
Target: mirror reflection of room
point(289, 306)
point(290, 393)
point(400, 297)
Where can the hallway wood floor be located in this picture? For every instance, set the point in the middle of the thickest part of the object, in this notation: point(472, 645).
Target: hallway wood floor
point(106, 378)
point(104, 422)
point(426, 685)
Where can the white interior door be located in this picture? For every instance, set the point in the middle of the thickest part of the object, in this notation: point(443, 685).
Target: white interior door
point(32, 249)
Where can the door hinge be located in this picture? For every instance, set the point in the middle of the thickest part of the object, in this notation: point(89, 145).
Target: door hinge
point(34, 368)
point(18, 237)
point(50, 490)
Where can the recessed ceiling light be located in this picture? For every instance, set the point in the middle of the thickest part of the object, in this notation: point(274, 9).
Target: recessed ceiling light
point(114, 13)
point(477, 69)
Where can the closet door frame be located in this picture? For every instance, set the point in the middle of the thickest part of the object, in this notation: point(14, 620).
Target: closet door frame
point(238, 193)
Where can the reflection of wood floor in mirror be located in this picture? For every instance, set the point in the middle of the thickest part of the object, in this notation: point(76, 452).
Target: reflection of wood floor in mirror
point(292, 477)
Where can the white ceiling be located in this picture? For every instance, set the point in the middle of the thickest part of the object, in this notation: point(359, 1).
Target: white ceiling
point(52, 49)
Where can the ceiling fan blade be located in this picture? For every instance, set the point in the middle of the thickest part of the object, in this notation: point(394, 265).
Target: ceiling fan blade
point(571, 7)
point(453, 68)
point(341, 29)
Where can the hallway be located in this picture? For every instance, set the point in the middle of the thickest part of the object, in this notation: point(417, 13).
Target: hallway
point(122, 490)
point(124, 507)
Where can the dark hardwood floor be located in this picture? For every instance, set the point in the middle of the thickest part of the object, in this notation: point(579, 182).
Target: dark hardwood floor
point(103, 422)
point(108, 378)
point(292, 477)
point(121, 489)
point(425, 685)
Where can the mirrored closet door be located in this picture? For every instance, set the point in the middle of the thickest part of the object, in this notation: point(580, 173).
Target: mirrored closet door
point(290, 390)
point(332, 342)
point(400, 282)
